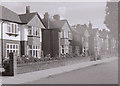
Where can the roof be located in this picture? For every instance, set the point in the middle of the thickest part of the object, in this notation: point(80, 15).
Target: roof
point(9, 15)
point(81, 29)
point(104, 33)
point(53, 24)
point(93, 31)
point(25, 18)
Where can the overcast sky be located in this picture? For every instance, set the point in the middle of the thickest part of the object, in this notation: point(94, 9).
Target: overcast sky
point(74, 12)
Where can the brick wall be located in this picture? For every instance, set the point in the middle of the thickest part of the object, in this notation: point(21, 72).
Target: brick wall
point(50, 42)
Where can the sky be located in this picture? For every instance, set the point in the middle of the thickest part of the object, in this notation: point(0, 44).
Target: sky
point(74, 12)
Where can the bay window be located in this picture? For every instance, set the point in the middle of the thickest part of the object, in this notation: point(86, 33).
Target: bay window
point(34, 31)
point(14, 48)
point(34, 51)
point(12, 28)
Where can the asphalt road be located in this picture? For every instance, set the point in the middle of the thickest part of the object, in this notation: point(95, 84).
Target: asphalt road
point(106, 73)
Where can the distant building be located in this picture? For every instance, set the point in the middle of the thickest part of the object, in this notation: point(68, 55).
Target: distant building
point(76, 45)
point(65, 34)
point(89, 39)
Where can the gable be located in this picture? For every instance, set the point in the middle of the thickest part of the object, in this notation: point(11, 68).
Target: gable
point(86, 33)
point(66, 27)
point(35, 21)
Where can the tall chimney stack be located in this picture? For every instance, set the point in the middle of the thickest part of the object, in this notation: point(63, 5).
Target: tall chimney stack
point(27, 9)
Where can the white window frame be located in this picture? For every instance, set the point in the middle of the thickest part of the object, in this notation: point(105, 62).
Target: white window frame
point(8, 49)
point(12, 28)
point(35, 49)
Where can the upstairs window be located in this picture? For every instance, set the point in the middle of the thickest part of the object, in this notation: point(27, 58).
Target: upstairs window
point(34, 31)
point(12, 28)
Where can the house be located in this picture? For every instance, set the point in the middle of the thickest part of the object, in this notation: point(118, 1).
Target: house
point(84, 38)
point(64, 32)
point(94, 43)
point(20, 34)
point(31, 34)
point(10, 33)
point(89, 39)
point(76, 46)
point(50, 42)
point(109, 44)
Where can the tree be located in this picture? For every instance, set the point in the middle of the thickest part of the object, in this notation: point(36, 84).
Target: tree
point(111, 19)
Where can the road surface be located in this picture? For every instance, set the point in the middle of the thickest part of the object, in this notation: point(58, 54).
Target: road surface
point(106, 73)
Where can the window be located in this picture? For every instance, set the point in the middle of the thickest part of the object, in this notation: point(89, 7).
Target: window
point(12, 28)
point(12, 48)
point(34, 50)
point(34, 31)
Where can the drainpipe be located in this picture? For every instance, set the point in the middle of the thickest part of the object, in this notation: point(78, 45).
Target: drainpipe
point(2, 40)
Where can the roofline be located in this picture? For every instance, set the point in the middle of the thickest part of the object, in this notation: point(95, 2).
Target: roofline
point(10, 21)
point(67, 23)
point(40, 19)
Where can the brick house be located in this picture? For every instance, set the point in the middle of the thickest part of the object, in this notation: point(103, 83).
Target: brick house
point(76, 46)
point(89, 39)
point(64, 32)
point(31, 34)
point(10, 33)
point(84, 38)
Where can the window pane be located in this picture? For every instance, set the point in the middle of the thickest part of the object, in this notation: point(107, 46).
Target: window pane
point(13, 51)
point(10, 46)
point(62, 50)
point(12, 28)
point(36, 53)
point(33, 47)
point(30, 46)
point(16, 46)
point(33, 52)
point(13, 46)
point(17, 52)
point(15, 28)
point(36, 31)
point(10, 51)
point(7, 53)
point(30, 52)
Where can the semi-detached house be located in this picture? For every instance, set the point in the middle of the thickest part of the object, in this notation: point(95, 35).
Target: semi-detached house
point(9, 33)
point(31, 37)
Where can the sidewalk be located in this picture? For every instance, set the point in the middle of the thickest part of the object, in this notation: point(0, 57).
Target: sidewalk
point(26, 77)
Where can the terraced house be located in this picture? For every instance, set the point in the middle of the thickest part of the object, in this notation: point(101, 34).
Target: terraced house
point(20, 34)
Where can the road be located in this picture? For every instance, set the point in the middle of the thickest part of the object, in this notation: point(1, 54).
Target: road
point(106, 73)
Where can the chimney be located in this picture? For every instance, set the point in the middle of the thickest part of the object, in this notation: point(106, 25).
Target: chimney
point(27, 9)
point(46, 15)
point(56, 17)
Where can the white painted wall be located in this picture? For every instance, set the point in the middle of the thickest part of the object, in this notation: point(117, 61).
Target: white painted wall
point(24, 33)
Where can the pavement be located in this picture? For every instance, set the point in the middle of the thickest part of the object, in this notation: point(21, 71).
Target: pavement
point(32, 76)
